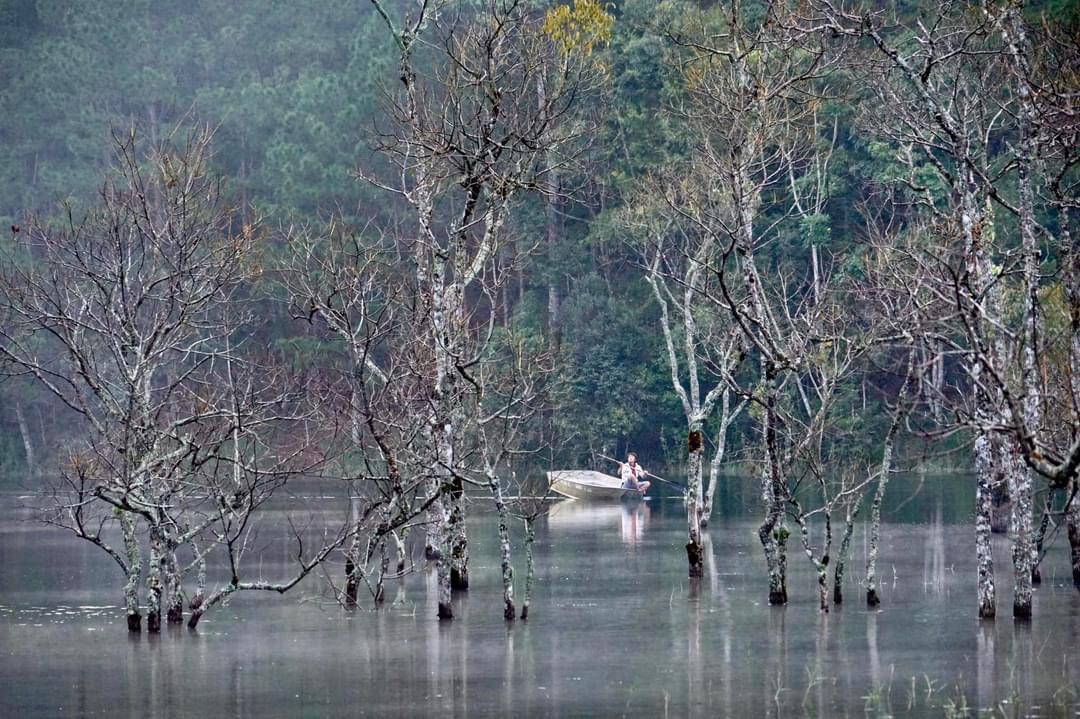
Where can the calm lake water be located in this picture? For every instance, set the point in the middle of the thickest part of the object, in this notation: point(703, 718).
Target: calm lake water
point(616, 629)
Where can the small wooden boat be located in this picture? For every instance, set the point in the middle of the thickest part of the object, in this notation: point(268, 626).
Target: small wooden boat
point(587, 484)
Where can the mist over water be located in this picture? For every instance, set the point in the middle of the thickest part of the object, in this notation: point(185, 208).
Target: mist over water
point(615, 628)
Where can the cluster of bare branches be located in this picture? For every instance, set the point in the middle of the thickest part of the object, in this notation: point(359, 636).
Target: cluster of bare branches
point(976, 102)
point(467, 140)
point(780, 341)
point(977, 107)
point(135, 318)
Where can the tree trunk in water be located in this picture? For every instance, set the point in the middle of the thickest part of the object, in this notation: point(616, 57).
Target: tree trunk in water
point(872, 598)
point(1020, 484)
point(352, 581)
point(175, 610)
point(984, 551)
point(153, 581)
point(509, 610)
point(459, 543)
point(1020, 526)
point(1040, 539)
point(718, 456)
point(200, 581)
point(441, 553)
point(402, 551)
point(218, 596)
point(823, 585)
point(352, 570)
point(384, 567)
point(134, 571)
point(772, 533)
point(841, 556)
point(694, 549)
point(773, 536)
point(530, 535)
point(983, 310)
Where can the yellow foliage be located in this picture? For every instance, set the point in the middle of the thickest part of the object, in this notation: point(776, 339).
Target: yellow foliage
point(579, 29)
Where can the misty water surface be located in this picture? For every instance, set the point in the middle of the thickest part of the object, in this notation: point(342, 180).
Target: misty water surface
point(616, 628)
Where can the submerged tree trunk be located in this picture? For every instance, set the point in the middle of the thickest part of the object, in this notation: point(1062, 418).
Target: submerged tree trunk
point(1020, 481)
point(845, 547)
point(443, 432)
point(134, 570)
point(694, 548)
point(442, 574)
point(1020, 528)
point(530, 535)
point(200, 579)
point(983, 310)
point(772, 533)
point(219, 595)
point(352, 557)
point(459, 543)
point(1040, 539)
point(984, 551)
point(885, 470)
point(154, 586)
point(174, 613)
point(727, 417)
point(872, 597)
point(384, 569)
point(402, 551)
point(509, 609)
point(821, 566)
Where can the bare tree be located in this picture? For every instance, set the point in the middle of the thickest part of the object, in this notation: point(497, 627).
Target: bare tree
point(468, 139)
point(760, 139)
point(702, 345)
point(969, 122)
point(131, 317)
point(350, 287)
point(510, 393)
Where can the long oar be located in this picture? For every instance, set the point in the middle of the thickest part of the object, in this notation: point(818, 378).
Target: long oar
point(656, 477)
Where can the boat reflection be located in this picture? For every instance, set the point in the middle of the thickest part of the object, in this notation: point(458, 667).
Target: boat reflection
point(631, 517)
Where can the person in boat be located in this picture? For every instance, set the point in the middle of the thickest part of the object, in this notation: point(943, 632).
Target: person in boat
point(633, 474)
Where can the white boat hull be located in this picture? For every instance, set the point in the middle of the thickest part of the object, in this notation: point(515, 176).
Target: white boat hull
point(589, 485)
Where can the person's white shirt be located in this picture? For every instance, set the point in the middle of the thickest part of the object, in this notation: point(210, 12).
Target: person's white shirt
point(632, 474)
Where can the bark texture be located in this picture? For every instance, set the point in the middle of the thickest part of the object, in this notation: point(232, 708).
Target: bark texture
point(984, 551)
point(133, 560)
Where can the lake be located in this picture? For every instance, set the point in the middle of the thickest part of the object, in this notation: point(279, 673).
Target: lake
point(615, 627)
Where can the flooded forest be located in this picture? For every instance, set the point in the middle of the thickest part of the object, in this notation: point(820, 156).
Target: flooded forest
point(530, 357)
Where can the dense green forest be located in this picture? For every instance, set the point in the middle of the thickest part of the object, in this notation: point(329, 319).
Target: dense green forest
point(297, 94)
